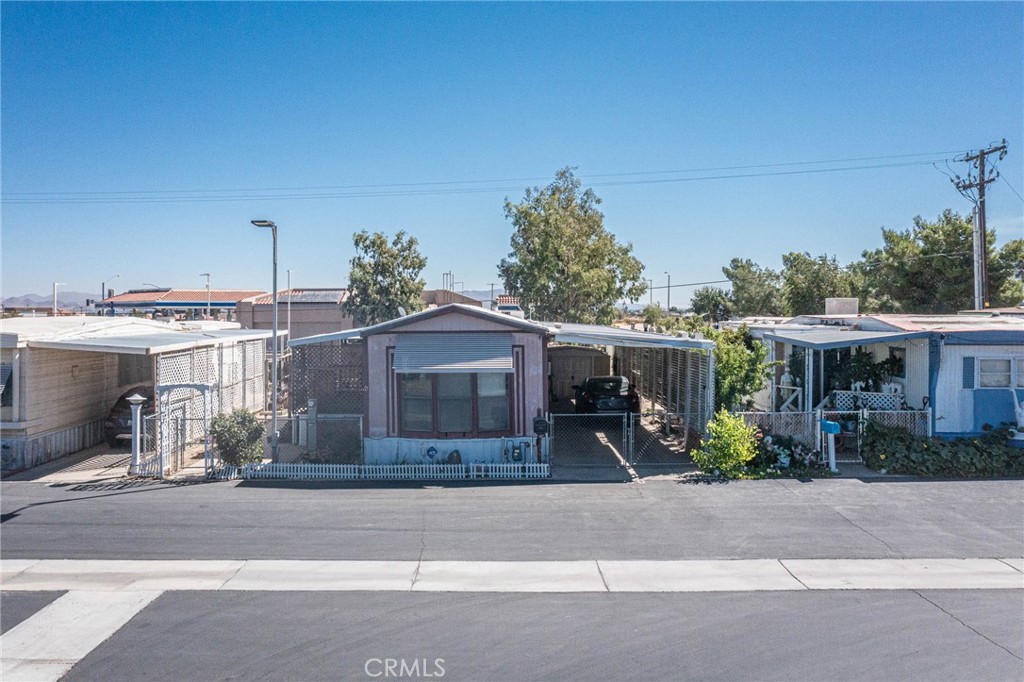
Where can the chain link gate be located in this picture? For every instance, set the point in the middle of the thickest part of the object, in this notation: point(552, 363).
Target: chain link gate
point(590, 440)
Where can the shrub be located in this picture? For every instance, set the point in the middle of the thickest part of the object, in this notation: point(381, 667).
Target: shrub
point(238, 437)
point(896, 451)
point(728, 446)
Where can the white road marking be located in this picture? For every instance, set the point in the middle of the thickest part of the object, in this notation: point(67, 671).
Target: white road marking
point(46, 646)
point(12, 567)
point(905, 574)
point(741, 575)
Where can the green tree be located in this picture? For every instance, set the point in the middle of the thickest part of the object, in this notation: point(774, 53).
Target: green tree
point(807, 282)
point(930, 268)
point(741, 366)
point(384, 277)
point(755, 290)
point(652, 314)
point(712, 303)
point(564, 265)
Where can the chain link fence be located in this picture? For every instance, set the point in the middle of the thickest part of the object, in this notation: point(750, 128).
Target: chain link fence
point(662, 439)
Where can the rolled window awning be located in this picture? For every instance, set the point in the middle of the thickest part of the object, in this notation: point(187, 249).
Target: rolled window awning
point(453, 353)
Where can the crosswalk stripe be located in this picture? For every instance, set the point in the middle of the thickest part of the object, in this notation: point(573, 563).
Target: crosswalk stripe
point(44, 647)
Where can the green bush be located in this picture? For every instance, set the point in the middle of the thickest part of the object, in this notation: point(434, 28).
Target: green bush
point(728, 446)
point(238, 437)
point(897, 452)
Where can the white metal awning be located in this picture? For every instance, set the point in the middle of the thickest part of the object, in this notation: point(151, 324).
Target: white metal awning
point(154, 342)
point(453, 353)
point(614, 336)
point(824, 338)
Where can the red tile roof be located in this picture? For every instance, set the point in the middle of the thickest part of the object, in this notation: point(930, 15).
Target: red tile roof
point(165, 296)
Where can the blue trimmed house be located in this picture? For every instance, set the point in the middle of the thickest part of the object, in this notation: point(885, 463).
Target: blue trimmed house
point(963, 369)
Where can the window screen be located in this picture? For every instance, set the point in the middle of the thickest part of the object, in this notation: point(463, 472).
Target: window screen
point(493, 401)
point(994, 373)
point(417, 402)
point(454, 402)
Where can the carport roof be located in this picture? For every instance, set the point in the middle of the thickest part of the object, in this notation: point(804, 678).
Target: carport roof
point(592, 334)
point(153, 342)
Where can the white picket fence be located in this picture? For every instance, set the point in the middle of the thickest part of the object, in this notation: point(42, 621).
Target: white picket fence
point(381, 472)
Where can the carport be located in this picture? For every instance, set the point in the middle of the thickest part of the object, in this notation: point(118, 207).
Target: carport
point(674, 376)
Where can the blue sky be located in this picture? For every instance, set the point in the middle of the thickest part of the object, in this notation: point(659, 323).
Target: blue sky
point(124, 126)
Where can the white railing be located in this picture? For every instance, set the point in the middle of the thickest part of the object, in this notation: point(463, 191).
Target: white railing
point(381, 472)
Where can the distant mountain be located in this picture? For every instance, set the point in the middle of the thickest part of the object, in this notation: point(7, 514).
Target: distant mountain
point(483, 295)
point(65, 299)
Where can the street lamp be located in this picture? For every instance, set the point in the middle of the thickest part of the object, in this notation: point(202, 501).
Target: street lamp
point(668, 296)
point(103, 292)
point(207, 276)
point(55, 285)
point(650, 288)
point(288, 322)
point(273, 364)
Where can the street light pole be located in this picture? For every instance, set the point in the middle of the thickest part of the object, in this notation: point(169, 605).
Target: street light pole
point(668, 296)
point(650, 288)
point(288, 323)
point(103, 292)
point(207, 276)
point(55, 285)
point(273, 370)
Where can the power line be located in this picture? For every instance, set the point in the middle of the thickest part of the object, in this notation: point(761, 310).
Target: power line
point(79, 198)
point(468, 182)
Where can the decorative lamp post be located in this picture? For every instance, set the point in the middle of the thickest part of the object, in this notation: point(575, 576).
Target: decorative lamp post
point(273, 364)
point(136, 401)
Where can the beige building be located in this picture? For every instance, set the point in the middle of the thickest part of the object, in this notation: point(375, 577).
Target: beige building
point(309, 312)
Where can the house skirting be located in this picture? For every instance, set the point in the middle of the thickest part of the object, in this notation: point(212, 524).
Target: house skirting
point(20, 452)
point(437, 451)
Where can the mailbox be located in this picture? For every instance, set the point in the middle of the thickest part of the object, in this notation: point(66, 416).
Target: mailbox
point(829, 427)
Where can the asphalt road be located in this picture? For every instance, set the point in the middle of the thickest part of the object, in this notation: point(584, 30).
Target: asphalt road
point(838, 518)
point(974, 634)
point(752, 636)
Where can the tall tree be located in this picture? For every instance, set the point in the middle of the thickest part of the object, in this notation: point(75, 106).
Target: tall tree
point(384, 278)
point(712, 304)
point(755, 290)
point(808, 281)
point(930, 269)
point(564, 265)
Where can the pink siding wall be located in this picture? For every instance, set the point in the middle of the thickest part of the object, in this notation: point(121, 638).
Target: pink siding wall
point(532, 371)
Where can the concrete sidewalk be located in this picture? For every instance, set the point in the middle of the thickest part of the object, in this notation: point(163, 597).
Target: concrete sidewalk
point(598, 575)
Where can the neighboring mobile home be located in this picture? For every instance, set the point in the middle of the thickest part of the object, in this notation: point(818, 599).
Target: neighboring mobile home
point(964, 370)
point(61, 375)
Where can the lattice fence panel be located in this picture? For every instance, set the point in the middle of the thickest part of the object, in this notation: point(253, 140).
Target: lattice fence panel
point(333, 374)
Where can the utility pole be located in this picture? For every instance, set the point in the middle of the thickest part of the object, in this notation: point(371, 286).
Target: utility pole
point(492, 294)
point(979, 180)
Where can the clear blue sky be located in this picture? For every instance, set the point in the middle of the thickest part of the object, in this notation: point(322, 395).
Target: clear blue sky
point(125, 125)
